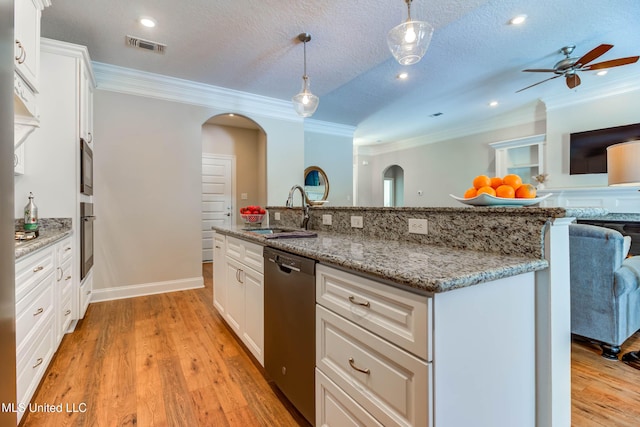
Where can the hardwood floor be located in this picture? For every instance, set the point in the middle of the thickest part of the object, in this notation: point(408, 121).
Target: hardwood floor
point(159, 360)
point(169, 360)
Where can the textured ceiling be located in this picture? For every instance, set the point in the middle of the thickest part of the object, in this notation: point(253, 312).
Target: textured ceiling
point(251, 46)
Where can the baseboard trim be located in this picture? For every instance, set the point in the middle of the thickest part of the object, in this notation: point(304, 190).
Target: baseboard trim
point(132, 291)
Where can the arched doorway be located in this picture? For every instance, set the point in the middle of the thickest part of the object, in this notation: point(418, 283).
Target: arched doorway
point(234, 171)
point(393, 186)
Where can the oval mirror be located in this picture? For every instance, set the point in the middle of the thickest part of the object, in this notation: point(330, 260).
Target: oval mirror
point(316, 185)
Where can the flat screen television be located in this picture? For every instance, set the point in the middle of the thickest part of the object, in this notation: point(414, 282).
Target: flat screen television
point(588, 150)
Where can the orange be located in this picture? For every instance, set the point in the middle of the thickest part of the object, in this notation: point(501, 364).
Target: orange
point(526, 191)
point(486, 189)
point(496, 182)
point(506, 191)
point(470, 193)
point(481, 181)
point(513, 180)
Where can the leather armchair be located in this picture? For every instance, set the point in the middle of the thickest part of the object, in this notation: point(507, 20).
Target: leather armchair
point(605, 287)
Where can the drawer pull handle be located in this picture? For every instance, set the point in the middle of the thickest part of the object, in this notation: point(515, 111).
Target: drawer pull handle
point(38, 362)
point(67, 278)
point(68, 312)
point(352, 300)
point(67, 249)
point(38, 268)
point(88, 292)
point(353, 365)
point(38, 311)
point(61, 274)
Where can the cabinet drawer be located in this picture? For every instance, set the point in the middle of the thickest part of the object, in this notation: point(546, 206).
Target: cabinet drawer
point(86, 287)
point(33, 310)
point(31, 270)
point(65, 250)
point(389, 383)
point(334, 408)
point(250, 254)
point(397, 315)
point(33, 361)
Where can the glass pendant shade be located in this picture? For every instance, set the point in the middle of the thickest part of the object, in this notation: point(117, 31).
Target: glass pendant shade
point(305, 103)
point(408, 42)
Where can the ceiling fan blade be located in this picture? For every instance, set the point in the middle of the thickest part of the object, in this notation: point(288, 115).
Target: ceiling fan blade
point(612, 63)
point(593, 54)
point(540, 70)
point(573, 80)
point(535, 84)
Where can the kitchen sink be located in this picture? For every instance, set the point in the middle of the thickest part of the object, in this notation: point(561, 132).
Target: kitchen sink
point(275, 233)
point(266, 230)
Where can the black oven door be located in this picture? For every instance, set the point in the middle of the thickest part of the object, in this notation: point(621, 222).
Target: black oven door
point(86, 238)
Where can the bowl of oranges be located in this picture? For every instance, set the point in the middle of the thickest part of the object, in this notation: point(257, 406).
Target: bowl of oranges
point(508, 190)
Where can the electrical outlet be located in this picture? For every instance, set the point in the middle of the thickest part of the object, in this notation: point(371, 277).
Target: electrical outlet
point(244, 196)
point(326, 219)
point(276, 216)
point(356, 221)
point(418, 226)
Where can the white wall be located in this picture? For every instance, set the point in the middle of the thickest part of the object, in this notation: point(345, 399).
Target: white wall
point(147, 191)
point(334, 155)
point(599, 113)
point(247, 145)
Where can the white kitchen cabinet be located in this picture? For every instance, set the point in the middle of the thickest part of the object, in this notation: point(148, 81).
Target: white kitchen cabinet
point(35, 320)
point(368, 375)
point(523, 156)
point(219, 273)
point(18, 160)
point(27, 16)
point(244, 305)
point(65, 281)
point(84, 294)
point(86, 104)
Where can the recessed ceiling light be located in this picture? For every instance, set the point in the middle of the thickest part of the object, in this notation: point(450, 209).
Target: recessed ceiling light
point(403, 75)
point(148, 22)
point(493, 104)
point(517, 20)
point(602, 72)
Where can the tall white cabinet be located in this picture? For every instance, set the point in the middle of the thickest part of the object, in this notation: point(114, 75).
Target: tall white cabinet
point(52, 152)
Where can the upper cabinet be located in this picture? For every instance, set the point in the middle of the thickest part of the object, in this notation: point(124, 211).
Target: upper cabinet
point(523, 156)
point(87, 83)
point(27, 65)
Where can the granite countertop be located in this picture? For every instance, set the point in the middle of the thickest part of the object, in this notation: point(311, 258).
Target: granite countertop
point(51, 230)
point(423, 267)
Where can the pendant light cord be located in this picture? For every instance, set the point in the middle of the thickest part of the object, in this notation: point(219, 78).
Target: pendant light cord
point(409, 10)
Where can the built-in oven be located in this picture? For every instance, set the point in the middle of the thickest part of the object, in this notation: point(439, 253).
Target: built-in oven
point(86, 238)
point(86, 168)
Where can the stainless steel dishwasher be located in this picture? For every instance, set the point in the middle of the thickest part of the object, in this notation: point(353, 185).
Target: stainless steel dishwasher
point(289, 330)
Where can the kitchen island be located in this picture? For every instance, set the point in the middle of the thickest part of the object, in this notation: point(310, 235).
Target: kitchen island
point(495, 285)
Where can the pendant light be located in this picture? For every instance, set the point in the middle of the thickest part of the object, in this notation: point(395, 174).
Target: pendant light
point(305, 103)
point(409, 41)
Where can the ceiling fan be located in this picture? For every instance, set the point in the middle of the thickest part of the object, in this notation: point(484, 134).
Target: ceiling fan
point(569, 67)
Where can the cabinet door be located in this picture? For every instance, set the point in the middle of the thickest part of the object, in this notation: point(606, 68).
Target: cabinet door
point(27, 41)
point(234, 310)
point(219, 274)
point(86, 105)
point(253, 331)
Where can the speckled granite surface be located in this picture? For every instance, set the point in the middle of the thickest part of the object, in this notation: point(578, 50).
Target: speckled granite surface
point(51, 230)
point(506, 231)
point(618, 217)
point(428, 268)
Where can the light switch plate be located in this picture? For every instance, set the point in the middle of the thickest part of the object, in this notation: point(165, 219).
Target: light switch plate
point(418, 226)
point(356, 221)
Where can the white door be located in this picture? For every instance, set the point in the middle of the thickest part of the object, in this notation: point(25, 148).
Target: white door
point(217, 209)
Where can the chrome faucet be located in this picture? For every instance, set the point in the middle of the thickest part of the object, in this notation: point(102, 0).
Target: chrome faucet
point(305, 205)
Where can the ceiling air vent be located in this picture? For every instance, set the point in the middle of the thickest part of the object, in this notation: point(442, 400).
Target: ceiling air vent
point(145, 44)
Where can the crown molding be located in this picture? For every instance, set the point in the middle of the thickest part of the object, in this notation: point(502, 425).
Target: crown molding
point(329, 128)
point(141, 83)
point(593, 92)
point(513, 118)
point(58, 47)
